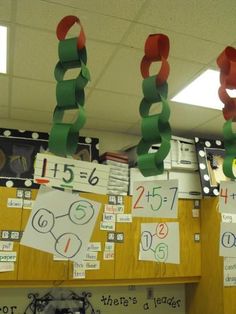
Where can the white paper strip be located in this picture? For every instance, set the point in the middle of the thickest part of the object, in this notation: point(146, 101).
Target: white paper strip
point(55, 171)
point(110, 226)
point(6, 245)
point(94, 247)
point(7, 266)
point(8, 256)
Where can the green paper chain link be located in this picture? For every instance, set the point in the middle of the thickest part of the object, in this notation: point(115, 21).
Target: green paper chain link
point(155, 128)
point(63, 138)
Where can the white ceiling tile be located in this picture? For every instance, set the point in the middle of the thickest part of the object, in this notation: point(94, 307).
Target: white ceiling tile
point(33, 95)
point(135, 129)
point(113, 106)
point(137, 35)
point(98, 56)
point(4, 90)
point(123, 73)
point(31, 115)
point(181, 73)
point(121, 8)
point(35, 54)
point(106, 124)
point(5, 10)
point(186, 117)
point(211, 20)
point(212, 127)
point(46, 15)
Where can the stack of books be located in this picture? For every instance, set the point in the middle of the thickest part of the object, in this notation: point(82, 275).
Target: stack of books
point(118, 183)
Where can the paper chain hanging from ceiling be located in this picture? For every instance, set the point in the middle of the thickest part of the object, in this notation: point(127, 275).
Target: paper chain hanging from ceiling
point(227, 64)
point(72, 54)
point(155, 128)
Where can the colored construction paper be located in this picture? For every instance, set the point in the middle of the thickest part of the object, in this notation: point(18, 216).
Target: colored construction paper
point(155, 128)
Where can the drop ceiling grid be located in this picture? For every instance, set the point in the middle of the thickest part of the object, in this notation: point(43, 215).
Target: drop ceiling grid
point(116, 33)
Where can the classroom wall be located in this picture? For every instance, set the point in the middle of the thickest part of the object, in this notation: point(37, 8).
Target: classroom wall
point(133, 299)
point(109, 141)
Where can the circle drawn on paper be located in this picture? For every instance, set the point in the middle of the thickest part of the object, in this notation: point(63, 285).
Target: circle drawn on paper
point(43, 220)
point(146, 240)
point(68, 245)
point(161, 230)
point(81, 212)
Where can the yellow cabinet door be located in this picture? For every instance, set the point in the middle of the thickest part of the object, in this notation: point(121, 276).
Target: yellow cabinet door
point(38, 265)
point(127, 263)
point(10, 219)
point(106, 270)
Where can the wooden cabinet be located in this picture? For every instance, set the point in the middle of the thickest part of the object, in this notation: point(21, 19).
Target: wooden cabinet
point(209, 295)
point(128, 265)
point(10, 219)
point(35, 265)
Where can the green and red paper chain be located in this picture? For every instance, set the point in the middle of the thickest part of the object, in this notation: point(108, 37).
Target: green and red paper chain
point(227, 64)
point(72, 54)
point(155, 128)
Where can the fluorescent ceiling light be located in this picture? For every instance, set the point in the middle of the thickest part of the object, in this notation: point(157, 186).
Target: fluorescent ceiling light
point(3, 49)
point(203, 91)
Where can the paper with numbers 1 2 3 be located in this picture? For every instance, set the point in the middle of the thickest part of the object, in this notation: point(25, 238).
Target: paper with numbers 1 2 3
point(155, 199)
point(160, 242)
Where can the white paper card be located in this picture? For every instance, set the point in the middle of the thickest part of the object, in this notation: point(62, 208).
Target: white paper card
point(229, 271)
point(91, 256)
point(94, 247)
point(160, 242)
point(124, 218)
point(227, 197)
point(155, 199)
point(92, 265)
point(78, 270)
point(230, 218)
point(6, 245)
point(55, 171)
point(7, 256)
point(109, 246)
point(228, 239)
point(108, 255)
point(106, 225)
point(109, 217)
point(61, 223)
point(7, 266)
point(15, 202)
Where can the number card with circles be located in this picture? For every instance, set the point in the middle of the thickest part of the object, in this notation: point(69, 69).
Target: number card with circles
point(227, 197)
point(155, 198)
point(228, 239)
point(160, 242)
point(61, 223)
point(54, 171)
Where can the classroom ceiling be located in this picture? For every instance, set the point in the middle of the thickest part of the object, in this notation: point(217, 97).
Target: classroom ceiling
point(116, 31)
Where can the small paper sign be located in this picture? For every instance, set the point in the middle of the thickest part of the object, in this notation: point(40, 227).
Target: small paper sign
point(228, 239)
point(6, 245)
point(229, 271)
point(106, 225)
point(7, 256)
point(92, 265)
point(155, 199)
point(160, 242)
point(54, 171)
point(6, 266)
point(227, 197)
point(61, 223)
point(94, 247)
